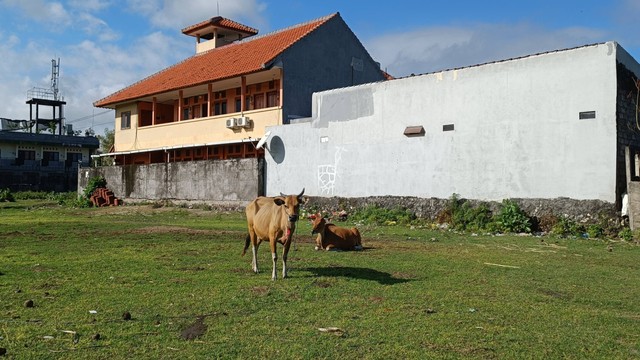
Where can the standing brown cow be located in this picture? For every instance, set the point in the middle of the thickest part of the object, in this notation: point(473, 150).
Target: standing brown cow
point(273, 219)
point(332, 237)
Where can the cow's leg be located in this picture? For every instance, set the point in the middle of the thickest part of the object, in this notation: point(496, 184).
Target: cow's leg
point(319, 242)
point(285, 252)
point(274, 257)
point(254, 263)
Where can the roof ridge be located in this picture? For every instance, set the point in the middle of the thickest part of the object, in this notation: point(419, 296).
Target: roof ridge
point(514, 58)
point(291, 27)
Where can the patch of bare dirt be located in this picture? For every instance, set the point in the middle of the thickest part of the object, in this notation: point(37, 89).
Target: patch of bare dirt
point(165, 229)
point(403, 275)
point(260, 290)
point(322, 284)
point(195, 330)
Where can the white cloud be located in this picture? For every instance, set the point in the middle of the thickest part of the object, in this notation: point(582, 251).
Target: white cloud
point(53, 14)
point(179, 14)
point(437, 48)
point(97, 27)
point(90, 5)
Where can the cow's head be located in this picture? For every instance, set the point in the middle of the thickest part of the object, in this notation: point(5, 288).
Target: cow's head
point(317, 226)
point(291, 204)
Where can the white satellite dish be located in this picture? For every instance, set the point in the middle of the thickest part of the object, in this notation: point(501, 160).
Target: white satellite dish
point(263, 141)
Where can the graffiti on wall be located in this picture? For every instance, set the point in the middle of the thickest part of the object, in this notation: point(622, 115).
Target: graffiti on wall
point(327, 174)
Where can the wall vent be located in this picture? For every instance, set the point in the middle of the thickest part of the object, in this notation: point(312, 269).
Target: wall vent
point(587, 115)
point(447, 127)
point(414, 131)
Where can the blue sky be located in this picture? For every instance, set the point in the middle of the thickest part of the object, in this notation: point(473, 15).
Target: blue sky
point(105, 45)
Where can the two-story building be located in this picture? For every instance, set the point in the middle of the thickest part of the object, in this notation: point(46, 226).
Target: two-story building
point(43, 162)
point(217, 103)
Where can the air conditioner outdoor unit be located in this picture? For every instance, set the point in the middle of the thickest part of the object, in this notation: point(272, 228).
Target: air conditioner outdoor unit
point(231, 123)
point(244, 122)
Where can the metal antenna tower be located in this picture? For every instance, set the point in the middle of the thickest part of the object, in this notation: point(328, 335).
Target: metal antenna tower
point(55, 77)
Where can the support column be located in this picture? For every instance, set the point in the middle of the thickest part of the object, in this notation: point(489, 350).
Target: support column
point(210, 99)
point(153, 110)
point(243, 95)
point(180, 101)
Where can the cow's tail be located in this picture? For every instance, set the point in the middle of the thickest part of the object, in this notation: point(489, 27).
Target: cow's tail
point(357, 234)
point(247, 241)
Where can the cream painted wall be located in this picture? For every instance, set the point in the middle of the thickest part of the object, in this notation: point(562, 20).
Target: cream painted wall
point(191, 132)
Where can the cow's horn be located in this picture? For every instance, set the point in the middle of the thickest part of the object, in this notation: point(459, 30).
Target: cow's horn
point(301, 192)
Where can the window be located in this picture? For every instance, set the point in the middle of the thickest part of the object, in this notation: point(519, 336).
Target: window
point(238, 104)
point(26, 154)
point(185, 114)
point(73, 158)
point(220, 107)
point(125, 120)
point(204, 108)
point(48, 156)
point(273, 99)
point(258, 101)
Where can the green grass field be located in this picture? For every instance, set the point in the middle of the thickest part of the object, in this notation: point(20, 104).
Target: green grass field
point(412, 293)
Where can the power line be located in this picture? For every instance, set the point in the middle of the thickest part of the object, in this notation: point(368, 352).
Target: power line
point(88, 116)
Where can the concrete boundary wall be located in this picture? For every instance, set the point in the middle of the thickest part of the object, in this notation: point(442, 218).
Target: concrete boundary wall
point(232, 182)
point(539, 127)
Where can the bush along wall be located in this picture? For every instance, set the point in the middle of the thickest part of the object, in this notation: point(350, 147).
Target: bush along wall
point(561, 217)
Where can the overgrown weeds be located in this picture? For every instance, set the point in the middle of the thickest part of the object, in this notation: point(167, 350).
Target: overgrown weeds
point(375, 215)
point(461, 215)
point(6, 196)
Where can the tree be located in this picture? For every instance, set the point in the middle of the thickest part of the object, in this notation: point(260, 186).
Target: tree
point(106, 145)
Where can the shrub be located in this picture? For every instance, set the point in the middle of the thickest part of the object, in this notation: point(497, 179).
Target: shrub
point(380, 216)
point(31, 195)
point(595, 231)
point(93, 184)
point(6, 196)
point(468, 218)
point(567, 227)
point(512, 219)
point(626, 234)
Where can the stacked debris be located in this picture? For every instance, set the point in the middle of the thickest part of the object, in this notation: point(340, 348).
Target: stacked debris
point(104, 197)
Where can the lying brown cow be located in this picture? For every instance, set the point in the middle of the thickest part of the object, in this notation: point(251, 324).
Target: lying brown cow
point(273, 219)
point(332, 237)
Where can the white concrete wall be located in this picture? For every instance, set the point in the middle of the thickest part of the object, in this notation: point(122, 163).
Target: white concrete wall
point(517, 133)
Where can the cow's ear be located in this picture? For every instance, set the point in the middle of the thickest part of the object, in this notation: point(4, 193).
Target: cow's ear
point(278, 201)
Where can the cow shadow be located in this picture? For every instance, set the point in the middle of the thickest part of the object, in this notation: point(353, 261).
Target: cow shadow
point(381, 277)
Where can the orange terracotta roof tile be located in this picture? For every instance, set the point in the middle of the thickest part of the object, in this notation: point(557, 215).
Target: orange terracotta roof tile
point(241, 58)
point(220, 22)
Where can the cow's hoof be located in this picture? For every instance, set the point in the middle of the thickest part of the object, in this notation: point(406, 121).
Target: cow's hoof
point(317, 248)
